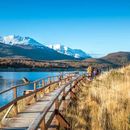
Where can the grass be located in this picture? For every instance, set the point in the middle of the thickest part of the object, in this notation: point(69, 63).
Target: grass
point(103, 104)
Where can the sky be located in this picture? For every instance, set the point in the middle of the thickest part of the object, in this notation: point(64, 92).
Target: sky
point(95, 26)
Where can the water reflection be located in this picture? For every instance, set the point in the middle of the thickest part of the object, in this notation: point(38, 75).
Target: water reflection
point(9, 79)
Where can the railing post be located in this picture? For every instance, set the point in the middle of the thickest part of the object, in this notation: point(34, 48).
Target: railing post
point(43, 125)
point(60, 80)
point(56, 111)
point(56, 105)
point(43, 83)
point(35, 89)
point(15, 105)
point(64, 101)
point(49, 80)
point(71, 94)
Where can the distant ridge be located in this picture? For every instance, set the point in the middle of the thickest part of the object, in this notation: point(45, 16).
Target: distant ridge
point(118, 58)
point(113, 60)
point(76, 53)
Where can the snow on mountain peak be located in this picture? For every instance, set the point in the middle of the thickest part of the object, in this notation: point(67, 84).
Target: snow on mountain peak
point(18, 40)
point(77, 53)
point(56, 47)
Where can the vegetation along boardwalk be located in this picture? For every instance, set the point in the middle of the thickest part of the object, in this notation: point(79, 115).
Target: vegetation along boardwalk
point(43, 107)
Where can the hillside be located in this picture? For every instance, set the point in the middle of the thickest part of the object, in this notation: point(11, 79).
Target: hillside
point(34, 53)
point(27, 42)
point(110, 61)
point(118, 58)
point(99, 62)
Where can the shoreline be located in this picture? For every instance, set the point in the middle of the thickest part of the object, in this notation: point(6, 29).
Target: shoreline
point(40, 69)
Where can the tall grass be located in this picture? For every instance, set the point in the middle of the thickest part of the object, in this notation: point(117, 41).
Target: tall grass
point(104, 103)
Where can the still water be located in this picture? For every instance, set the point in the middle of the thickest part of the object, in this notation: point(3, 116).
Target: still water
point(8, 79)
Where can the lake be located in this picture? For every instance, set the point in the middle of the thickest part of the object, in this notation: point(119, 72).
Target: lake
point(8, 79)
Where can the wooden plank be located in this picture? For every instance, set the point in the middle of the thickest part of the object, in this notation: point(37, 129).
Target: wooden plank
point(15, 128)
point(24, 119)
point(40, 118)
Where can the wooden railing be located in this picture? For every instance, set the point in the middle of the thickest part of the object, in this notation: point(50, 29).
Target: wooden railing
point(43, 83)
point(40, 122)
point(39, 86)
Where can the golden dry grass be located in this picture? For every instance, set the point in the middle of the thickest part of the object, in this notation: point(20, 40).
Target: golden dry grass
point(103, 104)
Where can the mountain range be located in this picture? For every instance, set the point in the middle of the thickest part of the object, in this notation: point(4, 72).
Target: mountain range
point(77, 53)
point(26, 47)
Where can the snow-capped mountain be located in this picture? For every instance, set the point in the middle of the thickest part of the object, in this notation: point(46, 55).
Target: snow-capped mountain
point(31, 44)
point(18, 40)
point(26, 47)
point(77, 53)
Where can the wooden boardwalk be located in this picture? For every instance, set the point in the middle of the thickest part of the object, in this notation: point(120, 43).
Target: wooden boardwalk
point(42, 108)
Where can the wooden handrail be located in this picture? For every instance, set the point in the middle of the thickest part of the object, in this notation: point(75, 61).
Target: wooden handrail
point(15, 100)
point(24, 84)
point(58, 88)
point(36, 123)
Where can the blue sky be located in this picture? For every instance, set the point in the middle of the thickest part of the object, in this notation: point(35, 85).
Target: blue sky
point(96, 26)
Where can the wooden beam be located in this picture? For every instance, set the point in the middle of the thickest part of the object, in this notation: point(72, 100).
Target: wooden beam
point(43, 125)
point(15, 104)
point(72, 95)
point(63, 122)
point(35, 90)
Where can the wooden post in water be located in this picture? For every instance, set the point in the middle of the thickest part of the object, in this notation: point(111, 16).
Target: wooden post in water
point(35, 88)
point(15, 105)
point(12, 82)
point(5, 83)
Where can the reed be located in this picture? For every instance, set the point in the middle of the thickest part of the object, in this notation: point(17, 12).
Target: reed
point(103, 104)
